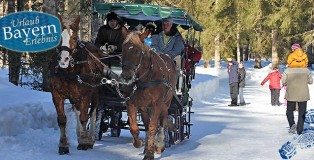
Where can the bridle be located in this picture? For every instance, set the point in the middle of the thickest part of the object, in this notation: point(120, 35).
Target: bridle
point(136, 67)
point(68, 49)
point(145, 80)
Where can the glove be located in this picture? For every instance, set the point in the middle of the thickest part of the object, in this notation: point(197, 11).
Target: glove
point(112, 48)
point(104, 48)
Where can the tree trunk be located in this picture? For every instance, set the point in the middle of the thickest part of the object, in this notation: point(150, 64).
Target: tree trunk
point(217, 43)
point(49, 7)
point(238, 42)
point(247, 51)
point(85, 24)
point(96, 24)
point(14, 57)
point(217, 51)
point(258, 62)
point(274, 48)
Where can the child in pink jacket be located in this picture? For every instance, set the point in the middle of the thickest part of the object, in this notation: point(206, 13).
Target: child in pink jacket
point(274, 78)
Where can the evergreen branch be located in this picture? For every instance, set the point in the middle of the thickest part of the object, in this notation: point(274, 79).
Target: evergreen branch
point(300, 34)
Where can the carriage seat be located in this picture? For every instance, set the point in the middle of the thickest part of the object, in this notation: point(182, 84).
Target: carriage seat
point(192, 56)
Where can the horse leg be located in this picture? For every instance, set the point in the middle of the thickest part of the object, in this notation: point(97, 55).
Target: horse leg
point(83, 117)
point(78, 123)
point(160, 144)
point(145, 119)
point(91, 136)
point(62, 121)
point(93, 115)
point(149, 155)
point(134, 129)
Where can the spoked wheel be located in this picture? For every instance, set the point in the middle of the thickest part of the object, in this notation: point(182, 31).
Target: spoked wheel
point(115, 132)
point(178, 134)
point(104, 124)
point(115, 124)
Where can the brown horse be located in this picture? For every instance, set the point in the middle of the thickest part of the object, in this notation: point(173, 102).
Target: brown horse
point(154, 77)
point(75, 75)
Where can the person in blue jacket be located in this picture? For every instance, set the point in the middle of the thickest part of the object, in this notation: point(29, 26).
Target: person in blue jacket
point(169, 41)
point(233, 67)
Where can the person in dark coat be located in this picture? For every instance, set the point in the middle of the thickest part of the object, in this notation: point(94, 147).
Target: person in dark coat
point(111, 36)
point(274, 85)
point(242, 75)
point(233, 81)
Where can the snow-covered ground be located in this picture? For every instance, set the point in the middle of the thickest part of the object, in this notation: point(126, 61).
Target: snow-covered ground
point(29, 130)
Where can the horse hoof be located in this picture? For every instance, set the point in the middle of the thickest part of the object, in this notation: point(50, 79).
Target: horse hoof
point(83, 147)
point(138, 143)
point(159, 150)
point(149, 157)
point(63, 150)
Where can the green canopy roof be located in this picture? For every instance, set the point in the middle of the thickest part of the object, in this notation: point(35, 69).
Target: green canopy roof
point(146, 12)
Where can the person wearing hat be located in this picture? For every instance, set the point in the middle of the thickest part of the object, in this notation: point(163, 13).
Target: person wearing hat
point(233, 73)
point(111, 36)
point(296, 79)
point(147, 33)
point(169, 41)
point(297, 58)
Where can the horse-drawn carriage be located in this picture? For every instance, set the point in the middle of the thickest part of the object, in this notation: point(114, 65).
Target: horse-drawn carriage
point(148, 89)
point(180, 110)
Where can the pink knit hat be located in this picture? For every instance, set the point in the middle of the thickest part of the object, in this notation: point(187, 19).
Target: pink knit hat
point(295, 46)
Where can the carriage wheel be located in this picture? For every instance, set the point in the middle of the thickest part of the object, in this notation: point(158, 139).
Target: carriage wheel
point(115, 132)
point(116, 123)
point(100, 130)
point(178, 135)
point(104, 124)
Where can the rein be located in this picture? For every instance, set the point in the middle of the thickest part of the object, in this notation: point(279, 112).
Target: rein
point(79, 77)
point(149, 83)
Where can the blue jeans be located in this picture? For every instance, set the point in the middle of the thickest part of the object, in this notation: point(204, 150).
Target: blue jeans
point(241, 95)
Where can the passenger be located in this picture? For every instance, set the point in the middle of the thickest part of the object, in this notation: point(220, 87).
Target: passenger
point(169, 41)
point(149, 29)
point(111, 36)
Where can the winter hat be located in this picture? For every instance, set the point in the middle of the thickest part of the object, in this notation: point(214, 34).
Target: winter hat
point(295, 46)
point(111, 16)
point(151, 26)
point(169, 19)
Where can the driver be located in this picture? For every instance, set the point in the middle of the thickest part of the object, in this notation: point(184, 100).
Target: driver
point(111, 36)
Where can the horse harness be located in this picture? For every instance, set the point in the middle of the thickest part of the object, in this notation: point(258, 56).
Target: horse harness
point(81, 47)
point(148, 74)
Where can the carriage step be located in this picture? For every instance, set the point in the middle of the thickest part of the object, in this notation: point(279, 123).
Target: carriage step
point(187, 123)
point(178, 92)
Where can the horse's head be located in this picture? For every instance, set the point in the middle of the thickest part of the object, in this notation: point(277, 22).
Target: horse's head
point(69, 41)
point(134, 57)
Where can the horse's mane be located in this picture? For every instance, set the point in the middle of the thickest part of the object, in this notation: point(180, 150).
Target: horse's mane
point(134, 37)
